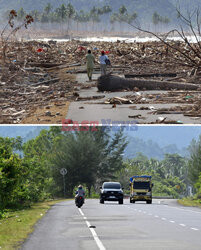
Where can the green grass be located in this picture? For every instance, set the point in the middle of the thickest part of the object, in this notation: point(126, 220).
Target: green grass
point(17, 225)
point(190, 202)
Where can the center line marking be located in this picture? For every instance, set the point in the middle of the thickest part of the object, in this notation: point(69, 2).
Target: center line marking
point(163, 218)
point(156, 216)
point(193, 228)
point(93, 232)
point(172, 221)
point(183, 225)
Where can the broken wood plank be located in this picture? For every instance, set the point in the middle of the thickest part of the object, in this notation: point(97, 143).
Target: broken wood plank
point(65, 66)
point(44, 65)
point(79, 98)
point(46, 82)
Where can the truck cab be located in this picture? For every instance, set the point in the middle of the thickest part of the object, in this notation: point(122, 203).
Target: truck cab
point(141, 189)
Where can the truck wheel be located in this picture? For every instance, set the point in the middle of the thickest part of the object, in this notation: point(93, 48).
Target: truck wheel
point(101, 201)
point(149, 202)
point(121, 201)
point(131, 201)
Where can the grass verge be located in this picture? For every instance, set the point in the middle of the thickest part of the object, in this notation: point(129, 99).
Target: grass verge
point(19, 224)
point(190, 202)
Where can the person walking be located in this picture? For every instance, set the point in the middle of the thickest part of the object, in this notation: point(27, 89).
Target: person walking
point(103, 59)
point(90, 64)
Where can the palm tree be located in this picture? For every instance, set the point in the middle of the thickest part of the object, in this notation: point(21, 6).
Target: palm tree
point(21, 14)
point(60, 15)
point(70, 12)
point(48, 9)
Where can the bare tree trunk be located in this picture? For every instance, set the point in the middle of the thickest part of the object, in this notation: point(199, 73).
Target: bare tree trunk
point(113, 83)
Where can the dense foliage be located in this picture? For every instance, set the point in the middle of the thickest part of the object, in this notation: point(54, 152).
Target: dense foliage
point(195, 165)
point(89, 157)
point(169, 175)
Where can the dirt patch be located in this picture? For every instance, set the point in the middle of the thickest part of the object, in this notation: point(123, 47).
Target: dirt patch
point(53, 113)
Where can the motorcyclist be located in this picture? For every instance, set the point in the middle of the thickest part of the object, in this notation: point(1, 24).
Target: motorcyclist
point(80, 192)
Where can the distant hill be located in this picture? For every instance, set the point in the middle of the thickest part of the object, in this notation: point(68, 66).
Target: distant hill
point(151, 149)
point(26, 132)
point(144, 8)
point(137, 144)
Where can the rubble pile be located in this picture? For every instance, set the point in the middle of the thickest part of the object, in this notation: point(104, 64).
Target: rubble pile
point(30, 74)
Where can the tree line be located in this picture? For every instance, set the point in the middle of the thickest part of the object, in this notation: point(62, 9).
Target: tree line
point(34, 173)
point(65, 14)
point(30, 171)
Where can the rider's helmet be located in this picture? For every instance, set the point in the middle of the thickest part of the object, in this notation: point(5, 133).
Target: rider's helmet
point(80, 187)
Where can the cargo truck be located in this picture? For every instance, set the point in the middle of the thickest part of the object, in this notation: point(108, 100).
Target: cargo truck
point(141, 189)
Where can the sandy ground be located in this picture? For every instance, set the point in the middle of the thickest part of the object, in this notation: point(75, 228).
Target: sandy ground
point(57, 112)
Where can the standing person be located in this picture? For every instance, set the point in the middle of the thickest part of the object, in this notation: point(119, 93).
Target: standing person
point(90, 64)
point(103, 62)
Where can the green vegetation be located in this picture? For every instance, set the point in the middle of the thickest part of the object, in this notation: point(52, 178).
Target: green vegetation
point(190, 202)
point(17, 225)
point(123, 16)
point(89, 157)
point(48, 9)
point(194, 167)
point(94, 12)
point(168, 175)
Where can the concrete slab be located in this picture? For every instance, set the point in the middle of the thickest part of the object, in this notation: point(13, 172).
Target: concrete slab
point(105, 114)
point(95, 110)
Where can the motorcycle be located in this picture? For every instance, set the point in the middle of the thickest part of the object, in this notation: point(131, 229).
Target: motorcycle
point(79, 201)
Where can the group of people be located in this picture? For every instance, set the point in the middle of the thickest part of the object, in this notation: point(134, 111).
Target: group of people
point(103, 60)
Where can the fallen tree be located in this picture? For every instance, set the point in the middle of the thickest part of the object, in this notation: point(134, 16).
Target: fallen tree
point(113, 83)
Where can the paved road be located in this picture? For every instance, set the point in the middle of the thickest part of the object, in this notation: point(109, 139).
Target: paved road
point(161, 225)
point(94, 110)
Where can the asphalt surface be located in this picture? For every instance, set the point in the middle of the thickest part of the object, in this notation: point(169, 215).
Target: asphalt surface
point(161, 225)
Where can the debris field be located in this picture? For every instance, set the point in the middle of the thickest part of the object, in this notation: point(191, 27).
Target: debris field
point(38, 75)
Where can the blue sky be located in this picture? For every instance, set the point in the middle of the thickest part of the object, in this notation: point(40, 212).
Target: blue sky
point(165, 135)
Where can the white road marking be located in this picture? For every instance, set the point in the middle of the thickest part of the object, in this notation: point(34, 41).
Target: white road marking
point(139, 210)
point(163, 218)
point(156, 216)
point(93, 232)
point(144, 212)
point(172, 221)
point(183, 225)
point(149, 214)
point(193, 228)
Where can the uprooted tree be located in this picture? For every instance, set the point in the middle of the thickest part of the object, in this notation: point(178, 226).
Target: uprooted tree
point(187, 54)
